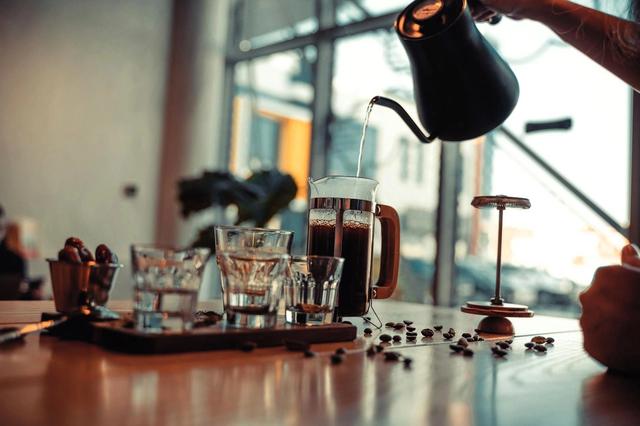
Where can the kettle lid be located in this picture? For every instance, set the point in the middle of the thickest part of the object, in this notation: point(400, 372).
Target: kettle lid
point(426, 18)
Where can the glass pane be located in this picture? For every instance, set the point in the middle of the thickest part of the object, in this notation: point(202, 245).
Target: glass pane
point(263, 22)
point(551, 251)
point(374, 64)
point(348, 11)
point(271, 126)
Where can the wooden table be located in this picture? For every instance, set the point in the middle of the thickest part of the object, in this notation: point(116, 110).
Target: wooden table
point(47, 381)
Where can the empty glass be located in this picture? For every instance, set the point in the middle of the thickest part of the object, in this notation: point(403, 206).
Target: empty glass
point(238, 238)
point(253, 283)
point(310, 294)
point(166, 284)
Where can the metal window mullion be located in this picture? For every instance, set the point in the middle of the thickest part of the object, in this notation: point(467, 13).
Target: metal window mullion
point(446, 224)
point(634, 185)
point(323, 77)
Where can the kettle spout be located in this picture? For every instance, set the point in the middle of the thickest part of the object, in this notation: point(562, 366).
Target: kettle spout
point(389, 103)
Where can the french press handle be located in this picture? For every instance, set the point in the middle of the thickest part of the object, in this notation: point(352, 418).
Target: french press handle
point(390, 252)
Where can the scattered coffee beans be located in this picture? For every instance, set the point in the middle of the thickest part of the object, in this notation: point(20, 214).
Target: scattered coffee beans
point(466, 335)
point(467, 352)
point(390, 324)
point(385, 338)
point(427, 332)
point(452, 332)
point(550, 340)
point(456, 348)
point(539, 339)
point(397, 338)
point(447, 336)
point(498, 352)
point(529, 345)
point(391, 356)
point(398, 326)
point(336, 359)
point(411, 338)
point(368, 331)
point(463, 342)
point(540, 348)
point(407, 322)
point(411, 329)
point(503, 345)
point(437, 327)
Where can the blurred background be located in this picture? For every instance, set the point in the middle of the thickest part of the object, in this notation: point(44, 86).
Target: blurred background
point(105, 106)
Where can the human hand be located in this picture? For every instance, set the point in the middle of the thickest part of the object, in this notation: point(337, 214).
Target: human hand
point(611, 314)
point(485, 10)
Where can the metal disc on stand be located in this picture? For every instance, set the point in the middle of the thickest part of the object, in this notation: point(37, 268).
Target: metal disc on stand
point(496, 310)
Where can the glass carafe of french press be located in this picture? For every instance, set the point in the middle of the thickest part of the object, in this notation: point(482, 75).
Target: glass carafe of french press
point(342, 213)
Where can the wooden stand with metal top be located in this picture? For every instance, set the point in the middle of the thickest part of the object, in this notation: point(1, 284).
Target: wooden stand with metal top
point(496, 310)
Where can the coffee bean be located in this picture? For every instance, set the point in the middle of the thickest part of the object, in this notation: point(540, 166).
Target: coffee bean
point(309, 354)
point(368, 331)
point(336, 359)
point(371, 351)
point(407, 362)
point(466, 335)
point(411, 338)
point(477, 330)
point(341, 351)
point(475, 337)
point(69, 254)
point(398, 326)
point(539, 339)
point(452, 332)
point(385, 338)
point(74, 242)
point(411, 333)
point(296, 345)
point(437, 327)
point(367, 318)
point(470, 340)
point(397, 338)
point(104, 255)
point(411, 329)
point(390, 324)
point(499, 352)
point(503, 345)
point(479, 339)
point(407, 322)
point(427, 332)
point(463, 342)
point(529, 345)
point(540, 348)
point(467, 352)
point(509, 341)
point(456, 348)
point(346, 322)
point(550, 340)
point(379, 348)
point(447, 336)
point(247, 346)
point(391, 356)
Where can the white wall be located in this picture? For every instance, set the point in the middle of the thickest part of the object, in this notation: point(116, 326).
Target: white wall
point(82, 89)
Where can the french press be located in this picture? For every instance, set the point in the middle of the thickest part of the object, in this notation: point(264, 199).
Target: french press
point(342, 213)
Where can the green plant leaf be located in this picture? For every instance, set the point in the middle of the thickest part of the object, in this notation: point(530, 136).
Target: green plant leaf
point(279, 190)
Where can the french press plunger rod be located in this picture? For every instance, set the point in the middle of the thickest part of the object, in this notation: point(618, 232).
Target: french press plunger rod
point(496, 309)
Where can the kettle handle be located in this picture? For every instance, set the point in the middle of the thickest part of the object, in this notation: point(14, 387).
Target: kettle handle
point(390, 251)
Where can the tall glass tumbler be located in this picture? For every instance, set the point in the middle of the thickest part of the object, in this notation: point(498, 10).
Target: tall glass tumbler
point(166, 284)
point(311, 293)
point(253, 287)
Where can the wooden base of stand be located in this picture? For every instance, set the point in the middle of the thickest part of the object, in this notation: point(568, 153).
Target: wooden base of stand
point(496, 321)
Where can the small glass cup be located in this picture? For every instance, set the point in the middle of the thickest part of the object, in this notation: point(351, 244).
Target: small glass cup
point(238, 238)
point(253, 283)
point(166, 284)
point(310, 294)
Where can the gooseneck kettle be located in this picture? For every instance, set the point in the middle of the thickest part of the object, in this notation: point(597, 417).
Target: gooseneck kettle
point(462, 87)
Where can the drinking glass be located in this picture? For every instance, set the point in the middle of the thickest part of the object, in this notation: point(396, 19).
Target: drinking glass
point(238, 238)
point(253, 283)
point(310, 294)
point(166, 284)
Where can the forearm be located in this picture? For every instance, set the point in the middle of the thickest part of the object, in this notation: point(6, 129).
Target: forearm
point(606, 39)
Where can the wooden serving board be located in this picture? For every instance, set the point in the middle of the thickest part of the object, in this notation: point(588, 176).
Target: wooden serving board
point(112, 335)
